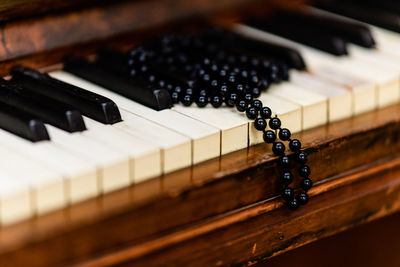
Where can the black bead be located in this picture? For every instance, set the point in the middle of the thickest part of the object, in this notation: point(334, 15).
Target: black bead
point(251, 113)
point(241, 106)
point(231, 100)
point(216, 101)
point(306, 184)
point(240, 89)
point(257, 104)
point(248, 98)
point(189, 91)
point(292, 204)
point(295, 145)
point(278, 148)
point(175, 97)
point(274, 123)
point(269, 137)
point(187, 100)
point(287, 193)
point(304, 171)
point(202, 92)
point(302, 198)
point(287, 178)
point(302, 157)
point(224, 90)
point(255, 92)
point(284, 134)
point(201, 101)
point(284, 161)
point(260, 124)
point(265, 113)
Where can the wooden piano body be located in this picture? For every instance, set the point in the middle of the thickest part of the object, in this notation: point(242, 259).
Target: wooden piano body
point(225, 211)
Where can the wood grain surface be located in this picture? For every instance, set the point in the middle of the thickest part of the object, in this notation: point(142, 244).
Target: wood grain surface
point(245, 184)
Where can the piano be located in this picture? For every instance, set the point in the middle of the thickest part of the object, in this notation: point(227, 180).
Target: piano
point(145, 133)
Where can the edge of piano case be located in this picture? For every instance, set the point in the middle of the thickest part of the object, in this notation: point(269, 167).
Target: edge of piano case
point(225, 210)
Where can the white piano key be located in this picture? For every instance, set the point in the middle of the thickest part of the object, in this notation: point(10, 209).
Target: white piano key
point(339, 99)
point(113, 163)
point(176, 151)
point(80, 175)
point(386, 82)
point(288, 112)
point(233, 126)
point(314, 105)
point(46, 186)
point(205, 138)
point(145, 157)
point(364, 92)
point(15, 200)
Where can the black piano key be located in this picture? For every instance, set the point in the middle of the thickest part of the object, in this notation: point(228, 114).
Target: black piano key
point(385, 18)
point(350, 31)
point(291, 30)
point(269, 50)
point(142, 92)
point(90, 104)
point(22, 124)
point(41, 107)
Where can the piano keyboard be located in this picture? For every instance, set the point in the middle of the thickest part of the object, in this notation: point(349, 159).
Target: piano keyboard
point(99, 140)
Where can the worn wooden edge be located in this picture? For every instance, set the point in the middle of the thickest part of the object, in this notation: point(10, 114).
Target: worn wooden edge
point(168, 204)
point(267, 229)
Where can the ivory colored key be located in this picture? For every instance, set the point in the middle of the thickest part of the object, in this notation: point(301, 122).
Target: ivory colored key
point(339, 99)
point(175, 148)
point(46, 186)
point(205, 138)
point(364, 92)
point(80, 175)
point(145, 157)
point(233, 126)
point(15, 199)
point(314, 105)
point(386, 82)
point(112, 163)
point(288, 112)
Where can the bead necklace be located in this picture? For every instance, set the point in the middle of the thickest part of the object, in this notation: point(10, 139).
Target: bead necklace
point(196, 70)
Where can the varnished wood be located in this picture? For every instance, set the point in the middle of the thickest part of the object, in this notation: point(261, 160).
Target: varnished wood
point(166, 205)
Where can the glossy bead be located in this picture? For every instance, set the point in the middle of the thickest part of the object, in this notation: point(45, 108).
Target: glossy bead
point(265, 113)
point(274, 123)
point(278, 148)
point(306, 184)
point(216, 101)
point(301, 157)
point(223, 90)
point(302, 198)
point(286, 178)
point(240, 89)
point(241, 106)
point(251, 113)
point(175, 97)
point(287, 193)
point(295, 145)
point(255, 92)
point(189, 91)
point(269, 137)
point(304, 171)
point(214, 84)
point(248, 98)
point(202, 92)
point(201, 101)
point(231, 100)
point(284, 134)
point(257, 104)
point(292, 204)
point(284, 161)
point(187, 100)
point(260, 124)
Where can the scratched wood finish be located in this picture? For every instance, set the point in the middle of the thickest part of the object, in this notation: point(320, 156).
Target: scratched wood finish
point(164, 205)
